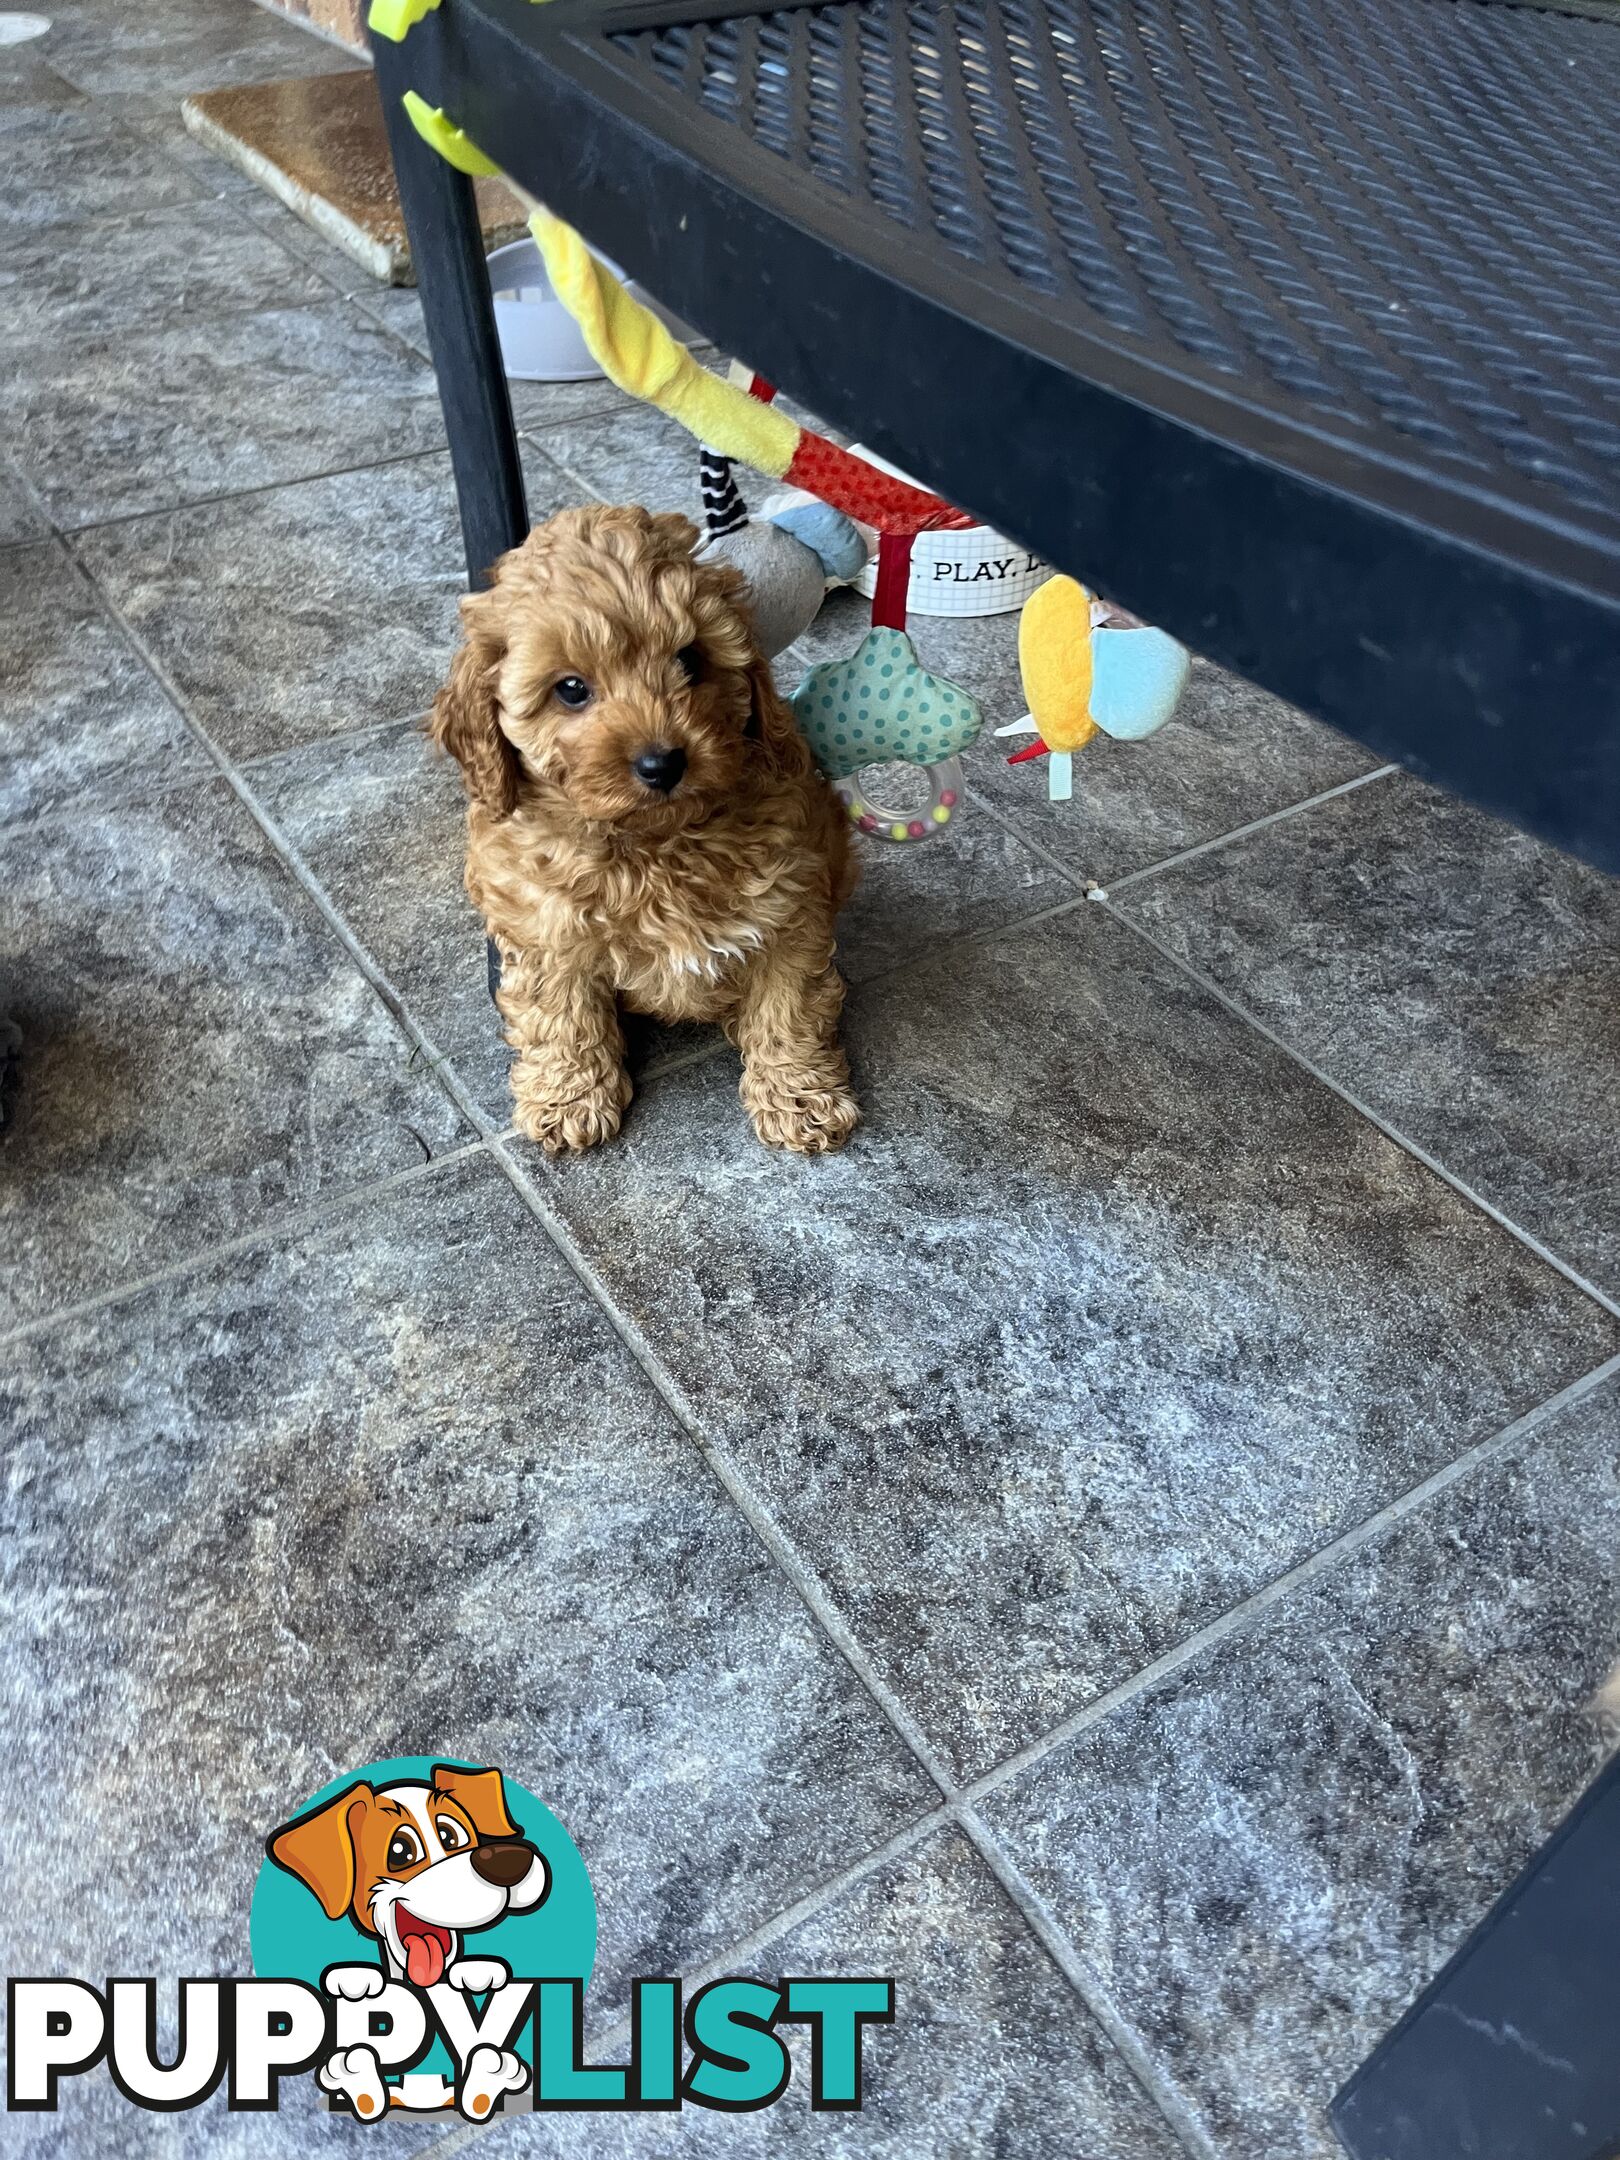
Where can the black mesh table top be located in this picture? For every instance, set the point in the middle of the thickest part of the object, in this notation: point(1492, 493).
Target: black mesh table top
point(1294, 325)
point(1383, 223)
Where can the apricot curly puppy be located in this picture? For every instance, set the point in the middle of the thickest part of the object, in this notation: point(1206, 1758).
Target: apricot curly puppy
point(646, 828)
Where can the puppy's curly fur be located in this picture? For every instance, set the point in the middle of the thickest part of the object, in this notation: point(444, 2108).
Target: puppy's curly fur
point(712, 901)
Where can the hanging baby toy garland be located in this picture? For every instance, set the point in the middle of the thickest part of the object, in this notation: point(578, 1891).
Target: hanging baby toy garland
point(880, 706)
point(1086, 667)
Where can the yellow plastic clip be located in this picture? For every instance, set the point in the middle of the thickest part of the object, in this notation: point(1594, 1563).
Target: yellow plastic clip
point(444, 136)
point(392, 18)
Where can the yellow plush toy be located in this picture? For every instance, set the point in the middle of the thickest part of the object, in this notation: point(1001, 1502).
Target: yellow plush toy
point(1089, 668)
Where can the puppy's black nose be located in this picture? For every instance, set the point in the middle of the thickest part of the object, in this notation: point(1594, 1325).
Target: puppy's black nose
point(659, 767)
point(503, 1864)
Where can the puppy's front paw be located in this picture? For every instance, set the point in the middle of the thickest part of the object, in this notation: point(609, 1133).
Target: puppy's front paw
point(562, 1110)
point(489, 2073)
point(809, 1111)
point(355, 2073)
point(476, 1976)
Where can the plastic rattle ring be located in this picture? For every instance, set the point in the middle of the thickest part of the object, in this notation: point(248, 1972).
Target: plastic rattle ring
point(906, 826)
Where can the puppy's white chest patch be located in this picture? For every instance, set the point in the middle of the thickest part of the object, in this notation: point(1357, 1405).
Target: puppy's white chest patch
point(683, 948)
point(718, 953)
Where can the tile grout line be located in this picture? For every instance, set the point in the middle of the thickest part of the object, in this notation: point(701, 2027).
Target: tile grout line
point(155, 790)
point(50, 340)
point(1105, 895)
point(1082, 885)
point(438, 1063)
point(1158, 2088)
point(1043, 1923)
point(417, 717)
point(929, 949)
point(735, 1954)
point(71, 534)
point(548, 453)
point(90, 804)
point(287, 1222)
point(1326, 1560)
point(40, 61)
point(1241, 1013)
point(243, 203)
point(777, 1544)
point(305, 28)
point(803, 1580)
point(1231, 1626)
point(615, 400)
point(1101, 888)
point(788, 1917)
point(666, 1069)
point(279, 843)
point(115, 220)
point(1243, 832)
point(1391, 1132)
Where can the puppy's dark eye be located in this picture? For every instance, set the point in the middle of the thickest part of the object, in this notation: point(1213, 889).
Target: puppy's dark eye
point(404, 1849)
point(451, 1834)
point(690, 662)
point(574, 692)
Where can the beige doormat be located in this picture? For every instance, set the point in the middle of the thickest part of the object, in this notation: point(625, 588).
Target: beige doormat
point(318, 144)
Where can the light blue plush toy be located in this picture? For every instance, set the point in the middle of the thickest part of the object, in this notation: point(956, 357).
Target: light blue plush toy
point(836, 539)
point(1089, 669)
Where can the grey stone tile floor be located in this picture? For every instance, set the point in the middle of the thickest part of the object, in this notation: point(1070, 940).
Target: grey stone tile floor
point(1124, 1549)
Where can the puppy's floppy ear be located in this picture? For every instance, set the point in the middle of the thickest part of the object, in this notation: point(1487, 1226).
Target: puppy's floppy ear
point(482, 1793)
point(466, 712)
point(771, 723)
point(676, 534)
point(319, 1848)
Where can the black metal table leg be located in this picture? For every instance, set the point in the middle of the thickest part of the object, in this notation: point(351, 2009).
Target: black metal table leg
point(441, 217)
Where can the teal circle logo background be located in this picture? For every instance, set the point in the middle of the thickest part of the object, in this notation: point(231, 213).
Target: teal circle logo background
point(291, 1938)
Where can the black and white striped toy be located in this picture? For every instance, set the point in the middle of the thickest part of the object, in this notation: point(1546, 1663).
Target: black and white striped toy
point(789, 559)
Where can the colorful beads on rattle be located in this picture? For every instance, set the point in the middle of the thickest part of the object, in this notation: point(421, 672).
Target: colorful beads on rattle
point(881, 823)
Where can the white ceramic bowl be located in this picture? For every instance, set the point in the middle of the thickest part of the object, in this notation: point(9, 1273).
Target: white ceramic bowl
point(968, 571)
point(540, 340)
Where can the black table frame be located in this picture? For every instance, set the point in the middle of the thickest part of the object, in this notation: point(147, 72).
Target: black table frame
point(1479, 649)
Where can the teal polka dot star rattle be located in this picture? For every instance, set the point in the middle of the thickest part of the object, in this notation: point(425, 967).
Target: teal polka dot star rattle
point(882, 707)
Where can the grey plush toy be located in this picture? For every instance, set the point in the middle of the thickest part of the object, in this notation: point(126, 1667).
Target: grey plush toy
point(788, 560)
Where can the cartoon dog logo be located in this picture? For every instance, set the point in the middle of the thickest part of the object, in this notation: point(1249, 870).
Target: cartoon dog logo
point(416, 1866)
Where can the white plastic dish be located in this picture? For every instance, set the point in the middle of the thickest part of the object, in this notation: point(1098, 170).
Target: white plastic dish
point(969, 570)
point(540, 340)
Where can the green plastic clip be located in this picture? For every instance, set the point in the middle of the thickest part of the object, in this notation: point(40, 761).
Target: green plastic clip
point(392, 18)
point(444, 136)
